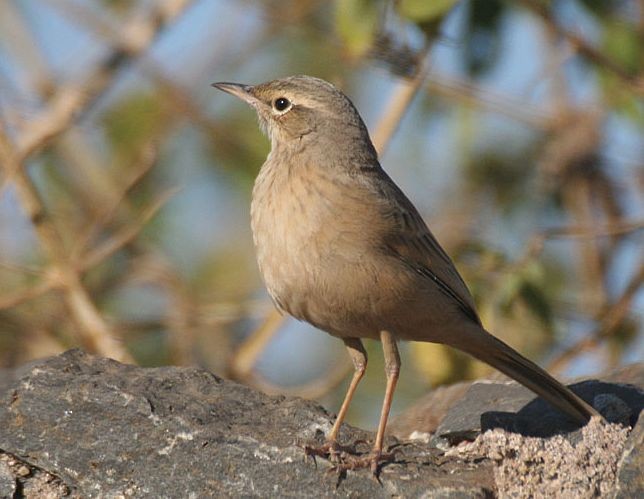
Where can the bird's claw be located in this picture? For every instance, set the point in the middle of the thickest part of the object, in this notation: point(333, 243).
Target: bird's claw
point(331, 450)
point(373, 461)
point(345, 458)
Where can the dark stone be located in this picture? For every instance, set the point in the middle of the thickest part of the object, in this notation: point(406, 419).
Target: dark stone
point(512, 407)
point(106, 429)
point(489, 403)
point(76, 425)
point(539, 419)
point(423, 417)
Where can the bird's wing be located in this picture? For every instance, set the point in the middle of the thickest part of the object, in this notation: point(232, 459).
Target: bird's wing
point(411, 240)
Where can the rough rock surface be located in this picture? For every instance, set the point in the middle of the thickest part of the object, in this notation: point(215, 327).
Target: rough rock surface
point(552, 467)
point(82, 426)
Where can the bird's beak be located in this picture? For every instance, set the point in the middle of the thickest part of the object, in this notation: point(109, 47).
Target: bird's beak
point(238, 90)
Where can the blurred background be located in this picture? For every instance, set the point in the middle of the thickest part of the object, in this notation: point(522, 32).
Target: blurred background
point(515, 127)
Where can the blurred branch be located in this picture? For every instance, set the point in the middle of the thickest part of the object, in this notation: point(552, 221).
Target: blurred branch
point(536, 243)
point(578, 198)
point(586, 232)
point(174, 93)
point(62, 108)
point(126, 235)
point(471, 94)
point(103, 195)
point(402, 97)
point(612, 316)
point(134, 37)
point(143, 164)
point(94, 331)
point(609, 321)
point(25, 46)
point(245, 357)
point(71, 100)
point(19, 297)
point(635, 82)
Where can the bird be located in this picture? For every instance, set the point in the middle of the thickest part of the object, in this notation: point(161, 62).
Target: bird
point(340, 246)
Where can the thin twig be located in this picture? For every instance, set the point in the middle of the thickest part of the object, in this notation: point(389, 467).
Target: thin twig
point(65, 105)
point(402, 97)
point(587, 232)
point(472, 94)
point(537, 241)
point(635, 82)
point(24, 295)
point(94, 331)
point(609, 321)
point(126, 235)
point(243, 361)
point(75, 98)
point(144, 163)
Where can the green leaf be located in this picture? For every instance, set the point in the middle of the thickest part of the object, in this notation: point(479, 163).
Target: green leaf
point(537, 302)
point(509, 287)
point(601, 8)
point(422, 11)
point(624, 46)
point(355, 23)
point(134, 119)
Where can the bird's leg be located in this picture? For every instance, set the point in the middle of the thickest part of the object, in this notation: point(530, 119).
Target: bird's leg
point(359, 358)
point(392, 370)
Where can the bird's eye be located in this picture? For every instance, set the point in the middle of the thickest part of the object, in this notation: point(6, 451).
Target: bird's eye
point(281, 103)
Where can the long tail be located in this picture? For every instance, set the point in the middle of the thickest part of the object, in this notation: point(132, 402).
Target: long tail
point(494, 352)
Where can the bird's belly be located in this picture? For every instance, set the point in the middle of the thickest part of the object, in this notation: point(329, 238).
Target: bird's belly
point(320, 263)
point(314, 286)
point(311, 274)
point(333, 288)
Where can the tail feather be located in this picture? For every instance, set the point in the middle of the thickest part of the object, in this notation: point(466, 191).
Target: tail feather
point(513, 364)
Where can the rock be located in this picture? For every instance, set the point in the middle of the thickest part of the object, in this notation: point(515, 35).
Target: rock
point(613, 408)
point(105, 429)
point(630, 470)
point(588, 458)
point(486, 404)
point(552, 467)
point(423, 417)
point(20, 479)
point(7, 481)
point(460, 412)
point(630, 374)
point(85, 426)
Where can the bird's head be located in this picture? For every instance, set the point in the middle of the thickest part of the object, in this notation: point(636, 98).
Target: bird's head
point(301, 108)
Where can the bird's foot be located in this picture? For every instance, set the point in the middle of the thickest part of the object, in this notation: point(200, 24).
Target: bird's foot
point(330, 450)
point(373, 461)
point(346, 457)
